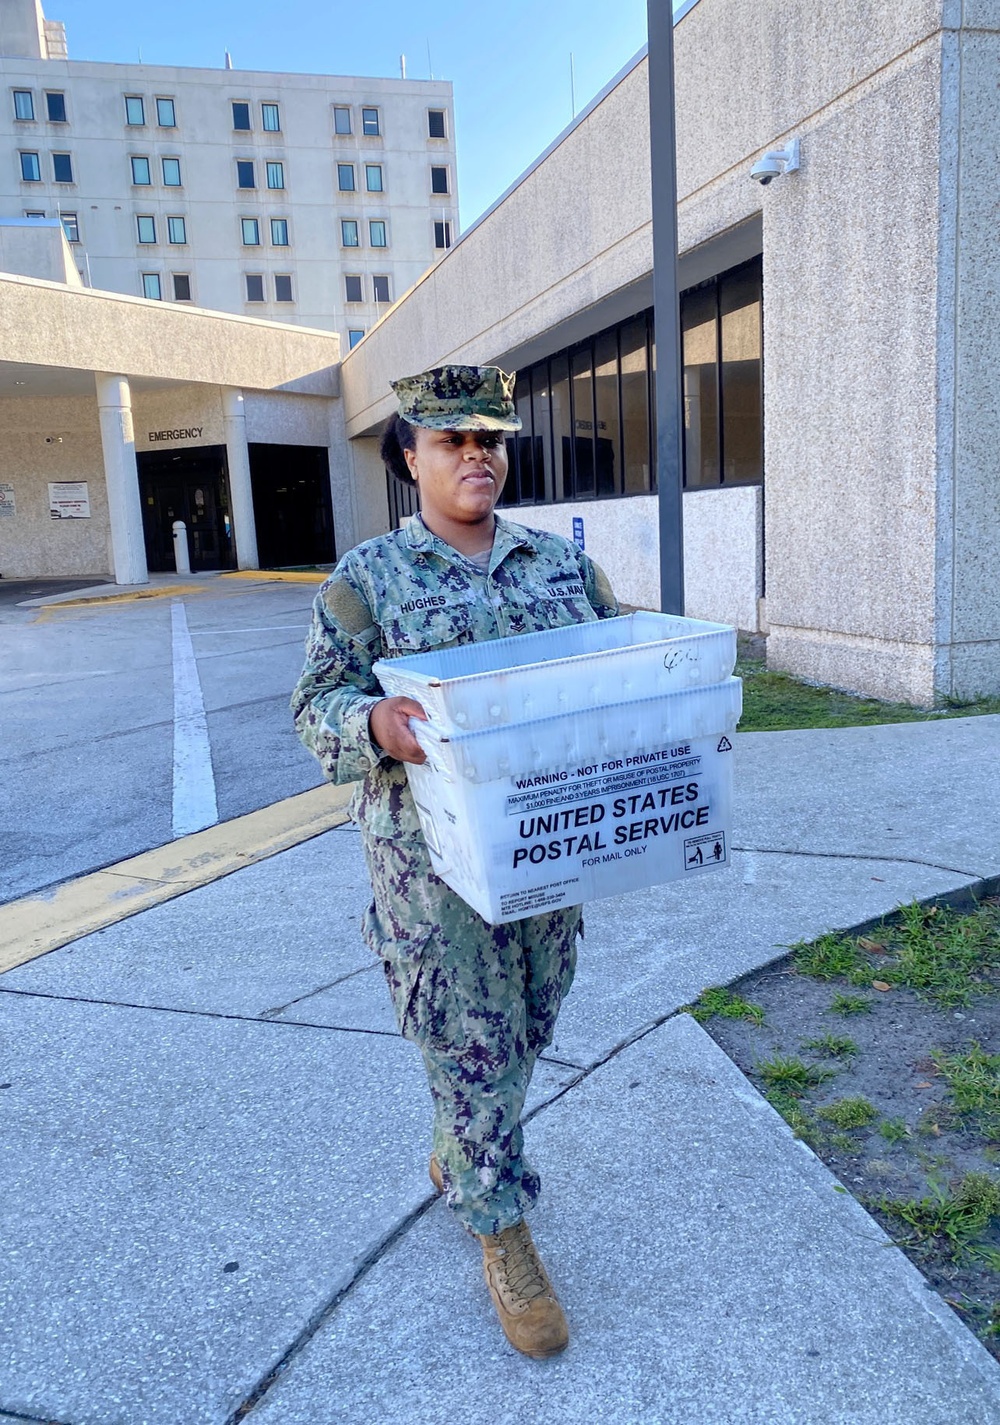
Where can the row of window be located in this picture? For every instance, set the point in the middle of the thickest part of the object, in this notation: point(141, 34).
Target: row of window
point(31, 167)
point(242, 112)
point(354, 287)
point(256, 286)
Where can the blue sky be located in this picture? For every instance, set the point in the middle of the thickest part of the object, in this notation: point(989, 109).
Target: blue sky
point(510, 67)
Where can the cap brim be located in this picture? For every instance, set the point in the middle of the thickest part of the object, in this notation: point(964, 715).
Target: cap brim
point(461, 422)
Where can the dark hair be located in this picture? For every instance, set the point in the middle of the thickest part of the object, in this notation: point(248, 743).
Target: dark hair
point(397, 435)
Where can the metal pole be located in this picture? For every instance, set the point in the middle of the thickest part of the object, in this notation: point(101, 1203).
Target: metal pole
point(663, 164)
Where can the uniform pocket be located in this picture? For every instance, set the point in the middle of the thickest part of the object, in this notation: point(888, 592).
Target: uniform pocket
point(422, 624)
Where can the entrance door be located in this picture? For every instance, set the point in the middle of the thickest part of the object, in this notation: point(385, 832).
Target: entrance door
point(188, 485)
point(291, 505)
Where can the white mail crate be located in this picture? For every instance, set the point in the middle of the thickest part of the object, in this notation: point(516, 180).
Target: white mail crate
point(584, 665)
point(527, 818)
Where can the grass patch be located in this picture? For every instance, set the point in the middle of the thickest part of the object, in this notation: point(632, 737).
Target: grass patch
point(838, 1046)
point(728, 1006)
point(894, 1130)
point(794, 1114)
point(832, 957)
point(973, 1080)
point(846, 1005)
point(948, 1216)
point(791, 1075)
point(775, 701)
point(851, 1112)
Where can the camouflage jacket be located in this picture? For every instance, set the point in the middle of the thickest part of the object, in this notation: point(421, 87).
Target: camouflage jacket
point(409, 592)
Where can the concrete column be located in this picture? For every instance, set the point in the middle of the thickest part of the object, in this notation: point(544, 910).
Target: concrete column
point(128, 546)
point(240, 490)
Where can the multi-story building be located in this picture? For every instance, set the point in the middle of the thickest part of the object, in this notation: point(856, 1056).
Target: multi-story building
point(313, 199)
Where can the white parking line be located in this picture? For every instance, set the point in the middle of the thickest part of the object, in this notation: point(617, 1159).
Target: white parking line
point(194, 806)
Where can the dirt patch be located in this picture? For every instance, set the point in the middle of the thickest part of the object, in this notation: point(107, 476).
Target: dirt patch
point(882, 1051)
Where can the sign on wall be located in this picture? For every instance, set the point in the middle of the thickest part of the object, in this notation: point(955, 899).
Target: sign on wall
point(7, 505)
point(578, 531)
point(69, 500)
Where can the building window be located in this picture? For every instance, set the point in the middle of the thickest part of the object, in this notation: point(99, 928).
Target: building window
point(442, 234)
point(62, 167)
point(722, 355)
point(373, 177)
point(275, 175)
point(376, 233)
point(341, 119)
point(166, 114)
point(71, 226)
point(354, 336)
point(182, 287)
point(177, 230)
point(282, 287)
point(141, 175)
point(380, 286)
point(241, 117)
point(250, 228)
point(24, 104)
point(349, 233)
point(145, 227)
point(370, 123)
point(151, 286)
point(270, 118)
point(435, 124)
point(352, 288)
point(55, 107)
point(31, 171)
point(279, 232)
point(345, 177)
point(244, 173)
point(135, 109)
point(255, 287)
point(171, 172)
point(33, 215)
point(439, 179)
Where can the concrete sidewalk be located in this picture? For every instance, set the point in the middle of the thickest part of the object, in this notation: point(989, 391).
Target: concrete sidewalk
point(215, 1147)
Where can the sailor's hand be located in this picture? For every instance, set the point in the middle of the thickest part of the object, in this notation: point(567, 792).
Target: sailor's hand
point(388, 724)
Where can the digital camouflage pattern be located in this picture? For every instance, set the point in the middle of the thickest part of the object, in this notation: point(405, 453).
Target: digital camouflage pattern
point(479, 1000)
point(458, 398)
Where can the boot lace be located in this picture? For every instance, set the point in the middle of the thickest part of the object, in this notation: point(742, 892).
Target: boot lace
point(522, 1277)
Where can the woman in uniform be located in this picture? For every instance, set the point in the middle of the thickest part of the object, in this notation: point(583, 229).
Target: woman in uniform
point(479, 1000)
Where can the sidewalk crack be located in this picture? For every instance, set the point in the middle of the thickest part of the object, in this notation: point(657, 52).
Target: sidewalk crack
point(856, 856)
point(362, 970)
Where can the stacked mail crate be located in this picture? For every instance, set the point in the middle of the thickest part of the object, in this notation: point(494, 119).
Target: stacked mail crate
point(575, 763)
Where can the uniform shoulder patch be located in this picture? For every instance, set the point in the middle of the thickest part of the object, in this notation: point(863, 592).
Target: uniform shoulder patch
point(347, 608)
point(603, 591)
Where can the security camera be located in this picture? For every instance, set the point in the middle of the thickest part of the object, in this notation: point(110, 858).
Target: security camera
point(776, 162)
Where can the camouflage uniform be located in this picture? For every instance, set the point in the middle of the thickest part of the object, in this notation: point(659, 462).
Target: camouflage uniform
point(479, 1000)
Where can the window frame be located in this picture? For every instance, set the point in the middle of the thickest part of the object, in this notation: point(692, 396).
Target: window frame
point(265, 108)
point(55, 94)
point(354, 335)
point(287, 238)
point(366, 132)
point(254, 277)
point(149, 218)
point(350, 223)
point(374, 223)
point(29, 94)
point(379, 277)
point(182, 277)
point(341, 186)
point(444, 192)
point(357, 277)
point(24, 153)
point(371, 168)
point(283, 277)
point(135, 158)
point(69, 164)
point(131, 99)
point(275, 167)
point(339, 132)
point(241, 164)
point(163, 171)
point(151, 277)
point(445, 225)
point(177, 218)
point(235, 104)
point(71, 225)
point(253, 224)
point(165, 99)
point(443, 135)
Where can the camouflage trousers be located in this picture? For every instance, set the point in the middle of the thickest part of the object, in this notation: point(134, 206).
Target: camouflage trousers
point(480, 1002)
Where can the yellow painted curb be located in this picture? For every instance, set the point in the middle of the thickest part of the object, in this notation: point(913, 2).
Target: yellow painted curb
point(37, 924)
point(170, 592)
point(280, 576)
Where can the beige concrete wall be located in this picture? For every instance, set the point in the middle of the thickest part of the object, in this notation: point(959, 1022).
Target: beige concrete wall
point(278, 419)
point(43, 441)
point(37, 249)
point(45, 324)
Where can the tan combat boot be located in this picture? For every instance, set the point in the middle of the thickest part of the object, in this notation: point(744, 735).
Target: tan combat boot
point(436, 1176)
point(530, 1315)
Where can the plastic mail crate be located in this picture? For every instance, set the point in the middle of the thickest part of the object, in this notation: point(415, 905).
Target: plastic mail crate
point(526, 818)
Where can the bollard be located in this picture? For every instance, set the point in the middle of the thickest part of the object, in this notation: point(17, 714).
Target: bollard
point(182, 557)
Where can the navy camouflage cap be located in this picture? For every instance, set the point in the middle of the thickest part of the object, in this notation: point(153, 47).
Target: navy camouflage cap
point(458, 398)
